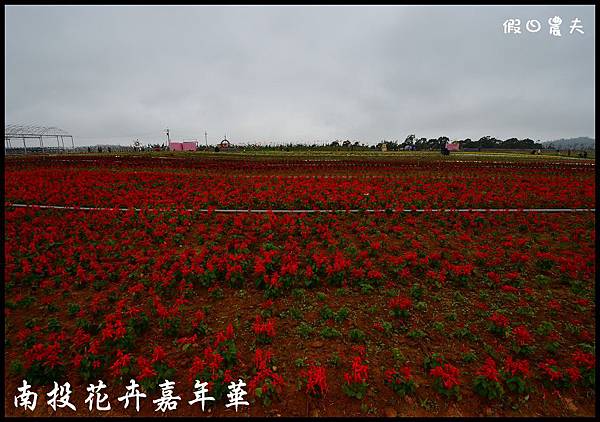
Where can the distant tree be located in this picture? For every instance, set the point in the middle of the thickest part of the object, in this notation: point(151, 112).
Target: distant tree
point(442, 141)
point(431, 143)
point(528, 143)
point(510, 143)
point(466, 143)
point(421, 143)
point(484, 139)
point(393, 145)
point(488, 142)
point(514, 143)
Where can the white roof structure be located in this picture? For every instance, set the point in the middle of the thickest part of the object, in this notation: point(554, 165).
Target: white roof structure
point(40, 133)
point(19, 131)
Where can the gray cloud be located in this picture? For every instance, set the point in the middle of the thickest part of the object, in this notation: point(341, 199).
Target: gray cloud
point(111, 74)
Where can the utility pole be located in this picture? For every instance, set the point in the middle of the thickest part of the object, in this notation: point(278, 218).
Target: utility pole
point(206, 139)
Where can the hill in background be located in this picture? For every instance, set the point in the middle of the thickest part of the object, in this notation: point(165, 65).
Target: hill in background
point(572, 143)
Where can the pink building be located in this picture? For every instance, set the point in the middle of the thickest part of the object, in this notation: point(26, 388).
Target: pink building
point(453, 147)
point(190, 145)
point(175, 146)
point(183, 146)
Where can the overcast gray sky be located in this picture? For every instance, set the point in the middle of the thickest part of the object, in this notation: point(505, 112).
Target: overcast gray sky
point(298, 73)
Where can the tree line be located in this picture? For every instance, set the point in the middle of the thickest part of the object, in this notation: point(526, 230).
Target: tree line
point(420, 144)
point(413, 142)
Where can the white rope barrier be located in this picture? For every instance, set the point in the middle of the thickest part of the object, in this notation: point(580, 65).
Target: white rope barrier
point(303, 211)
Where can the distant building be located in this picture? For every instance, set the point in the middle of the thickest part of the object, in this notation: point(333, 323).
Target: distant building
point(455, 146)
point(190, 145)
point(175, 146)
point(183, 145)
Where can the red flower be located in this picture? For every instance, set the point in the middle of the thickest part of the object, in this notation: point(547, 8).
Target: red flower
point(77, 360)
point(229, 332)
point(215, 362)
point(273, 280)
point(585, 335)
point(517, 367)
point(316, 383)
point(188, 340)
point(553, 305)
point(550, 369)
point(494, 277)
point(198, 317)
point(158, 354)
point(359, 373)
point(488, 370)
point(197, 367)
point(499, 320)
point(360, 349)
point(400, 303)
point(448, 374)
point(48, 355)
point(573, 373)
point(509, 289)
point(481, 305)
point(262, 358)
point(583, 359)
point(146, 370)
point(122, 361)
point(267, 304)
point(276, 381)
point(523, 336)
point(264, 328)
point(404, 372)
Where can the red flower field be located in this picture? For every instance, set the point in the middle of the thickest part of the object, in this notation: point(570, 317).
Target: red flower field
point(435, 312)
